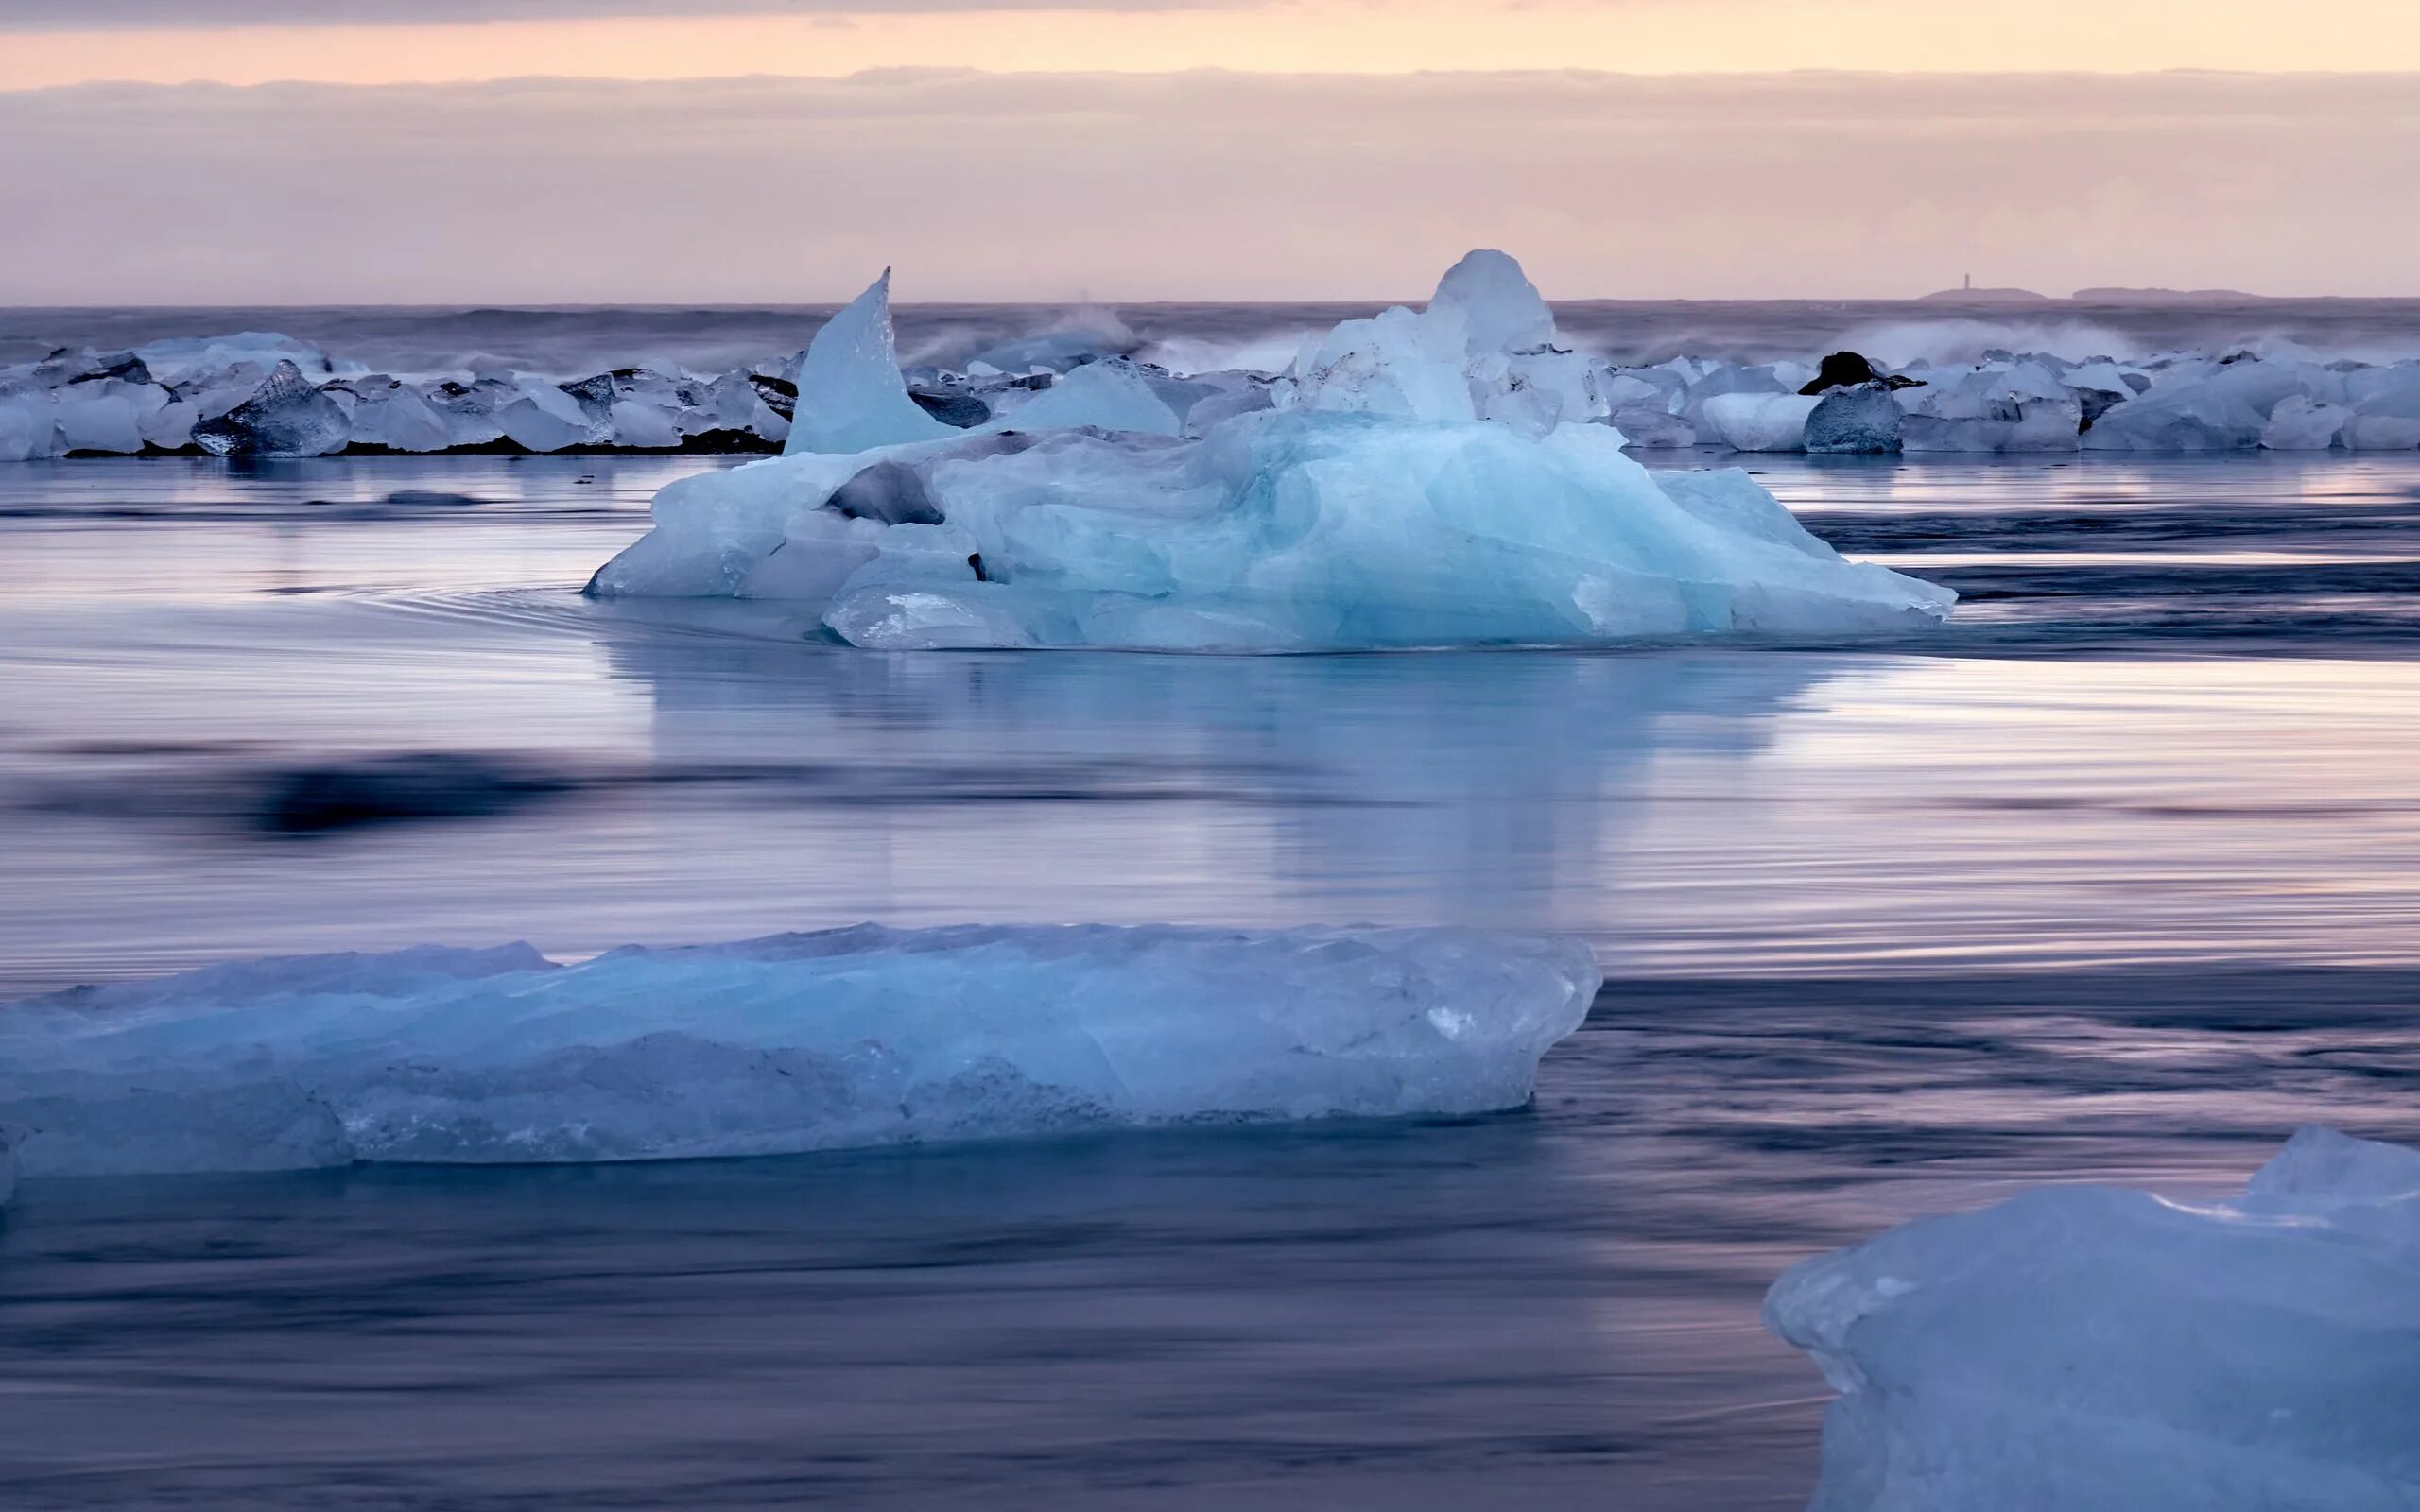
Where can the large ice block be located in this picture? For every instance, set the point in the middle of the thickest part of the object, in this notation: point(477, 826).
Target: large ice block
point(2093, 1349)
point(842, 1038)
point(1425, 479)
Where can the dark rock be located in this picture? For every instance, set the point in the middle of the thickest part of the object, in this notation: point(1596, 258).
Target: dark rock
point(386, 789)
point(1846, 370)
point(1841, 370)
point(779, 394)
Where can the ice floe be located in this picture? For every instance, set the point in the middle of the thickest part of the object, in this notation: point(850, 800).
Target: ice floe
point(844, 1038)
point(1427, 478)
point(2104, 1350)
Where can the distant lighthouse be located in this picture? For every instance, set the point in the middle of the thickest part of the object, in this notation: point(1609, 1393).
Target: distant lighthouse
point(1970, 283)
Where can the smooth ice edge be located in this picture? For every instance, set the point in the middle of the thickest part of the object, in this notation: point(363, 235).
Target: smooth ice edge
point(2087, 1348)
point(838, 1038)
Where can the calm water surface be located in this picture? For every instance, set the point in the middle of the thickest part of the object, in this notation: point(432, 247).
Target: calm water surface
point(2115, 879)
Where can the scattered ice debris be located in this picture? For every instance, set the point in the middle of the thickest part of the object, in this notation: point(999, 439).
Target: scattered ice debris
point(1412, 482)
point(837, 1039)
point(2103, 1350)
point(1486, 348)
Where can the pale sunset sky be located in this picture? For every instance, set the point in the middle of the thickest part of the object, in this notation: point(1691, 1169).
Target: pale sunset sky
point(744, 150)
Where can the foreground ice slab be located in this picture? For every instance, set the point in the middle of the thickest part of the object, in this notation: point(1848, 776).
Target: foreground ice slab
point(2090, 1349)
point(844, 1038)
point(1423, 479)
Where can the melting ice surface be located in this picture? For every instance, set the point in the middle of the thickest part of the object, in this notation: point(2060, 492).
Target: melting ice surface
point(1418, 479)
point(2088, 1348)
point(842, 1038)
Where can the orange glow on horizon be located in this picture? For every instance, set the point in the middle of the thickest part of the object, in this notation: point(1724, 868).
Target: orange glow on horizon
point(1286, 36)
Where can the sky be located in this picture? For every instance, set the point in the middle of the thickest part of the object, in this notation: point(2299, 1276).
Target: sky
point(246, 151)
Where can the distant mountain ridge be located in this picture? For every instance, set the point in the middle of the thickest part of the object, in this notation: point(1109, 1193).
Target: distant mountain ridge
point(2159, 295)
point(1975, 295)
point(2092, 296)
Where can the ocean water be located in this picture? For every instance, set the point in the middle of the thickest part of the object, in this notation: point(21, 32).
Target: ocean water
point(574, 341)
point(2113, 879)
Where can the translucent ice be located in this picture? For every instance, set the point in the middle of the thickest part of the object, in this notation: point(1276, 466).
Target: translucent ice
point(285, 416)
point(545, 417)
point(850, 395)
point(1859, 418)
point(1495, 302)
point(2299, 425)
point(1416, 487)
point(1483, 350)
point(107, 414)
point(1998, 425)
point(2100, 1350)
point(1108, 395)
point(29, 426)
point(387, 414)
point(854, 1037)
point(1760, 423)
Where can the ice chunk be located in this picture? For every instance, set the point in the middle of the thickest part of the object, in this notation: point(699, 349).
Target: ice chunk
point(844, 1038)
point(2002, 425)
point(2090, 1348)
point(1311, 530)
point(1495, 303)
point(1760, 423)
point(29, 426)
point(1863, 418)
point(1483, 350)
point(850, 395)
point(387, 414)
point(107, 414)
point(171, 426)
point(2181, 415)
point(1653, 427)
point(1396, 363)
point(548, 416)
point(1375, 508)
point(2299, 425)
point(1109, 395)
point(285, 416)
point(642, 425)
point(2387, 414)
point(1718, 381)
